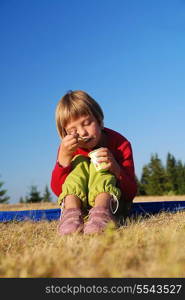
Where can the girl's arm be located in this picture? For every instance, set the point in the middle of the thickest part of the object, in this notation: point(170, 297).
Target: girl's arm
point(58, 177)
point(127, 179)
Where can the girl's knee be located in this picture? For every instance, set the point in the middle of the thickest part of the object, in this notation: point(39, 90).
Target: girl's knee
point(72, 201)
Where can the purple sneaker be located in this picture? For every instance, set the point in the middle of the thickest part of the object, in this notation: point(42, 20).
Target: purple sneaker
point(99, 217)
point(71, 221)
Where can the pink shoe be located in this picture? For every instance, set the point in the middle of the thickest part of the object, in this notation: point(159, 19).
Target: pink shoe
point(99, 217)
point(71, 221)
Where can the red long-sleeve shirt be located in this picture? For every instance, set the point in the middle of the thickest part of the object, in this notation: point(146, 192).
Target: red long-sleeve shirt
point(121, 149)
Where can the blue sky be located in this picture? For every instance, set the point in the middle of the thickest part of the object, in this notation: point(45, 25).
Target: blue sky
point(128, 54)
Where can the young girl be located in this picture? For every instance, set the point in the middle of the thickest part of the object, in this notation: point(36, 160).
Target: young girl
point(80, 187)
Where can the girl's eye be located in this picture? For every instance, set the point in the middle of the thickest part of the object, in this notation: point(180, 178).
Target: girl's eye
point(87, 122)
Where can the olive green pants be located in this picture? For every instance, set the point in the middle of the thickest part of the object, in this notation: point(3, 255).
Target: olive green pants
point(86, 183)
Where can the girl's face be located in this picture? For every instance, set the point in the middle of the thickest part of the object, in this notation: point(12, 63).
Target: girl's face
point(88, 129)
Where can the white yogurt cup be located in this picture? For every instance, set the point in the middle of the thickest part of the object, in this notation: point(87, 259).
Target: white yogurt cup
point(98, 165)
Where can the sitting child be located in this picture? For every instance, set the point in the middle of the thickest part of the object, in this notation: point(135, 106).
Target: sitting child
point(101, 184)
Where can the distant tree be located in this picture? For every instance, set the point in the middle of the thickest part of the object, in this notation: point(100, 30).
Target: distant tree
point(33, 196)
point(153, 177)
point(144, 182)
point(21, 200)
point(171, 186)
point(3, 197)
point(180, 181)
point(47, 195)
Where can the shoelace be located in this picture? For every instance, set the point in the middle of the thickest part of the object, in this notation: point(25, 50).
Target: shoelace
point(114, 202)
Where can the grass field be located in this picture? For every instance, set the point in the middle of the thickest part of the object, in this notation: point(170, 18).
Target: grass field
point(146, 247)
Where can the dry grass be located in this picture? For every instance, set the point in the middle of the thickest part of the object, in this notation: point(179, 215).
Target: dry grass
point(152, 247)
point(159, 198)
point(28, 206)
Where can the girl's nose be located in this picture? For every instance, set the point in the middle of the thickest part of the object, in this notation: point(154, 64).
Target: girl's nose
point(82, 132)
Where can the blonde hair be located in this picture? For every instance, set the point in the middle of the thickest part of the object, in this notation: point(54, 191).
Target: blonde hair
point(73, 105)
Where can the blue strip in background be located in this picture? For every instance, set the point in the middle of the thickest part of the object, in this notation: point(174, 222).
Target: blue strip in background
point(140, 208)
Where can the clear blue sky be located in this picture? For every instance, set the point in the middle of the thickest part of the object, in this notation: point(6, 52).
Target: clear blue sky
point(128, 54)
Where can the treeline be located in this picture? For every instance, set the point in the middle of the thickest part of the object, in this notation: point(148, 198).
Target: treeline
point(159, 179)
point(33, 196)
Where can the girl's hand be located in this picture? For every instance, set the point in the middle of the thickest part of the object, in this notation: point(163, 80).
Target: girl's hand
point(68, 146)
point(104, 155)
